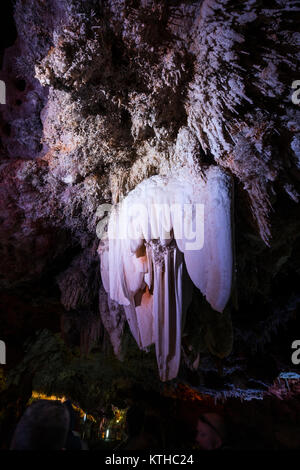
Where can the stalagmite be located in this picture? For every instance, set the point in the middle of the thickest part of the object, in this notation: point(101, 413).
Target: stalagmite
point(168, 233)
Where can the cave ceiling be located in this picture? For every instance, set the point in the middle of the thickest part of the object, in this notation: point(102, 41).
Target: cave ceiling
point(105, 95)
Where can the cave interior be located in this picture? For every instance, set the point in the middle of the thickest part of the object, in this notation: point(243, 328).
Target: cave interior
point(119, 103)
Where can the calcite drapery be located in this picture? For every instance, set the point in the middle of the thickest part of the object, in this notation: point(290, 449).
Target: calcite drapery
point(168, 233)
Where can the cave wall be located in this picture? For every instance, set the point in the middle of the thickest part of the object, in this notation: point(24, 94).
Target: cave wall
point(104, 94)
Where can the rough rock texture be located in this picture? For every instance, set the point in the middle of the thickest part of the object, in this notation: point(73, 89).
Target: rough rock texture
point(104, 94)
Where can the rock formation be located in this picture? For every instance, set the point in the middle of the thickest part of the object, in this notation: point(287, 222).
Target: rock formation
point(107, 97)
point(166, 233)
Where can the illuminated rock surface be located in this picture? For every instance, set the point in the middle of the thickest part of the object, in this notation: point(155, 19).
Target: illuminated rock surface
point(166, 233)
point(103, 96)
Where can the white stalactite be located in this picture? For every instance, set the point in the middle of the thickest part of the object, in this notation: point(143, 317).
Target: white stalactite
point(153, 253)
